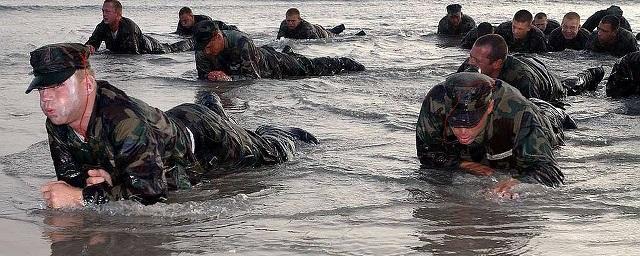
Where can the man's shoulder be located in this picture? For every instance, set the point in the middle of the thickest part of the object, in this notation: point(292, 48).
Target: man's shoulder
point(201, 17)
point(626, 35)
point(467, 18)
point(508, 99)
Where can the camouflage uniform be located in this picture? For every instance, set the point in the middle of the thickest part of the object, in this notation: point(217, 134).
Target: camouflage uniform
point(241, 57)
point(625, 76)
point(557, 42)
point(535, 42)
point(518, 137)
point(625, 43)
point(446, 28)
point(148, 152)
point(306, 30)
point(130, 39)
point(592, 22)
point(183, 31)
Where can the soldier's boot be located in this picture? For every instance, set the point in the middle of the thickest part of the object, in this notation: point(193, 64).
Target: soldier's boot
point(302, 135)
point(182, 46)
point(361, 33)
point(212, 101)
point(349, 64)
point(337, 29)
point(585, 80)
point(638, 36)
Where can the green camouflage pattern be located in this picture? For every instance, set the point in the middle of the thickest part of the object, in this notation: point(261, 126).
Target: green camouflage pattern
point(518, 137)
point(625, 77)
point(446, 28)
point(625, 43)
point(304, 30)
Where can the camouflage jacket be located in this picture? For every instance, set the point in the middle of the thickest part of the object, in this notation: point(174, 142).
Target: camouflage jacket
point(145, 152)
point(304, 30)
point(625, 76)
point(531, 77)
point(535, 42)
point(129, 38)
point(518, 138)
point(557, 42)
point(183, 31)
point(625, 43)
point(446, 28)
point(240, 57)
point(592, 22)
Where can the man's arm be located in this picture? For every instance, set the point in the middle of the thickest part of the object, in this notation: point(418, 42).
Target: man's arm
point(443, 26)
point(203, 65)
point(468, 24)
point(250, 58)
point(592, 22)
point(96, 37)
point(131, 37)
point(282, 30)
point(431, 143)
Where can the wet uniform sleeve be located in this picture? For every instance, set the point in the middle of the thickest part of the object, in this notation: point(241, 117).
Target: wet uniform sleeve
point(250, 58)
point(131, 38)
point(282, 30)
point(97, 36)
point(468, 24)
point(592, 22)
point(431, 145)
point(534, 159)
point(63, 162)
point(203, 65)
point(443, 26)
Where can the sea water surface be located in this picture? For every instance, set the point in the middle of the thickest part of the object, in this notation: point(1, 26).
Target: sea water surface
point(360, 191)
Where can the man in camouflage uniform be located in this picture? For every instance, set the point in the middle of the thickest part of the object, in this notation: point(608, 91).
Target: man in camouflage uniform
point(521, 35)
point(295, 27)
point(611, 38)
point(108, 146)
point(455, 23)
point(483, 28)
point(625, 77)
point(187, 22)
point(545, 24)
point(480, 125)
point(592, 22)
point(122, 35)
point(527, 74)
point(221, 54)
point(570, 35)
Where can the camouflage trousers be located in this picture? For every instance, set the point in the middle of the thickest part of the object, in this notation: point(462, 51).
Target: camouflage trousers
point(154, 46)
point(289, 64)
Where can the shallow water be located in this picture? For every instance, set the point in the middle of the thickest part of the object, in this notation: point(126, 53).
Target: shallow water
point(360, 191)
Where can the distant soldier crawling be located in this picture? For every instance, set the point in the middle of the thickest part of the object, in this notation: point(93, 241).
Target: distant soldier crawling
point(527, 74)
point(545, 24)
point(612, 39)
point(295, 27)
point(570, 35)
point(625, 77)
point(187, 22)
point(592, 22)
point(455, 23)
point(221, 54)
point(483, 28)
point(481, 125)
point(521, 35)
point(108, 146)
point(122, 35)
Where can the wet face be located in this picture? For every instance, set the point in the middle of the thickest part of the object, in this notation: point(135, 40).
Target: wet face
point(479, 57)
point(520, 29)
point(467, 135)
point(109, 13)
point(455, 19)
point(570, 28)
point(187, 20)
point(64, 103)
point(293, 21)
point(606, 33)
point(215, 45)
point(540, 23)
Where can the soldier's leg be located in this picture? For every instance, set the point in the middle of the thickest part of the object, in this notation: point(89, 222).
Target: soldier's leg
point(585, 80)
point(324, 66)
point(558, 118)
point(183, 46)
point(152, 45)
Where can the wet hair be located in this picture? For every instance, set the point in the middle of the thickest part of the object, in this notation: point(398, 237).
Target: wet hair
point(454, 8)
point(540, 15)
point(496, 43)
point(611, 20)
point(292, 11)
point(485, 28)
point(572, 16)
point(523, 16)
point(185, 10)
point(116, 4)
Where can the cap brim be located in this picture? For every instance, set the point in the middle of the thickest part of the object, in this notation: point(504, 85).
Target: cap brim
point(465, 119)
point(49, 79)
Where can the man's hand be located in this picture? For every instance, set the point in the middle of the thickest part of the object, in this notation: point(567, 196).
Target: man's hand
point(218, 76)
point(92, 49)
point(97, 176)
point(59, 194)
point(476, 168)
point(503, 188)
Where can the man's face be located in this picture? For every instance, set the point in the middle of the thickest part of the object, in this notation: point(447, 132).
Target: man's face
point(467, 135)
point(109, 13)
point(215, 45)
point(606, 34)
point(520, 29)
point(479, 57)
point(540, 23)
point(293, 21)
point(187, 20)
point(63, 103)
point(455, 19)
point(570, 28)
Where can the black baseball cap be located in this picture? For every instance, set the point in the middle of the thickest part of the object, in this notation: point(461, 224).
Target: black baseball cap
point(470, 94)
point(54, 63)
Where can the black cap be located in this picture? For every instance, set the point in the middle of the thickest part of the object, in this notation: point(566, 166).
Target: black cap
point(470, 94)
point(454, 8)
point(203, 32)
point(54, 63)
